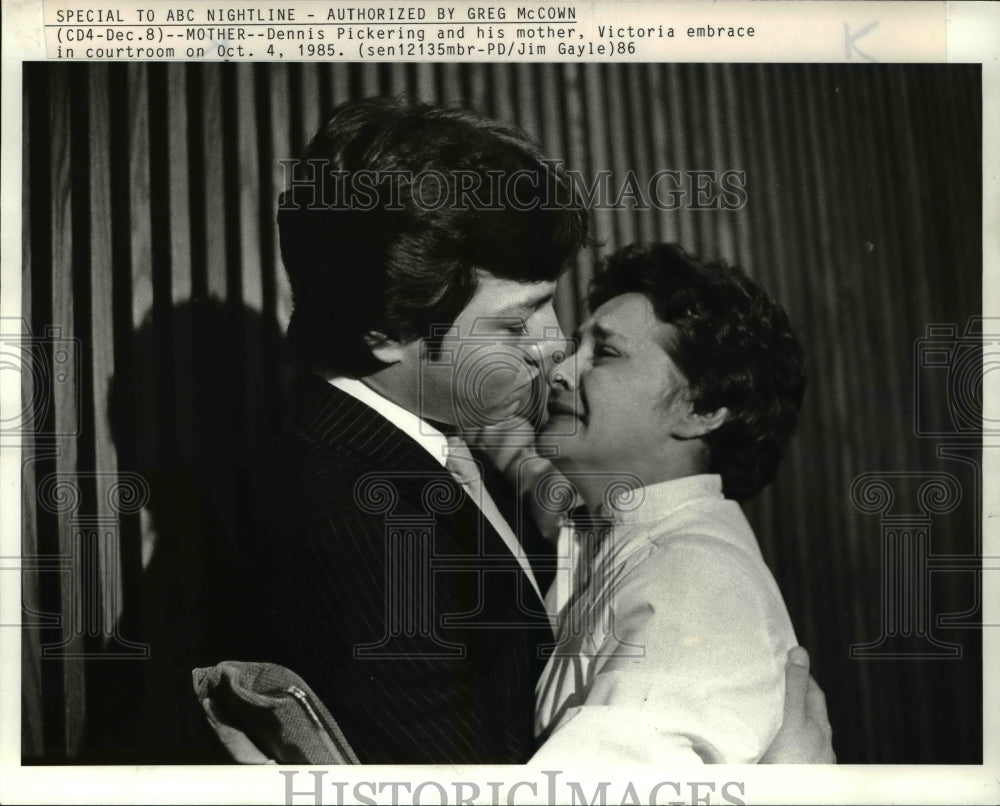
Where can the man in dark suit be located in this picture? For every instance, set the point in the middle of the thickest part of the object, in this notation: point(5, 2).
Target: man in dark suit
point(422, 246)
point(391, 583)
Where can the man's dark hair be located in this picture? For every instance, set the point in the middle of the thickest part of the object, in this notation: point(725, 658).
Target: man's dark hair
point(368, 244)
point(734, 345)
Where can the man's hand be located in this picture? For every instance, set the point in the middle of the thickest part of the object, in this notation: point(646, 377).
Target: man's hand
point(510, 446)
point(805, 736)
point(507, 444)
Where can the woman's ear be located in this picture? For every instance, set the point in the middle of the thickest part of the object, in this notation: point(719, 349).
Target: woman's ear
point(386, 350)
point(693, 425)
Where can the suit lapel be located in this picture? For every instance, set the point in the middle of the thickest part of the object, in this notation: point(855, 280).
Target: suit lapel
point(358, 433)
point(354, 430)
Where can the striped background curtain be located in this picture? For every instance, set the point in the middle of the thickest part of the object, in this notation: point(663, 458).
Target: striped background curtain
point(151, 274)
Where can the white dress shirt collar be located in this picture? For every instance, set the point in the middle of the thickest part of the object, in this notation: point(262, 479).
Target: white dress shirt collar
point(655, 502)
point(422, 432)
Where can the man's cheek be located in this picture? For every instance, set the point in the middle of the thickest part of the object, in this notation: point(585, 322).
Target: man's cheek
point(492, 374)
point(506, 390)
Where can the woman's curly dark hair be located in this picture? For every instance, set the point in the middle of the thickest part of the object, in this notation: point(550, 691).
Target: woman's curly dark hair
point(734, 345)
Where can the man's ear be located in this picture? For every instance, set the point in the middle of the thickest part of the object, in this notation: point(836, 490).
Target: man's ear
point(693, 425)
point(386, 350)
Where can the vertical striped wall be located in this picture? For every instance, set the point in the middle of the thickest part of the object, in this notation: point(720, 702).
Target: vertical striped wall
point(149, 244)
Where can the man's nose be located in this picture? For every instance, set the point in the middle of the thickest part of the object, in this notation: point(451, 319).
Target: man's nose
point(548, 339)
point(561, 368)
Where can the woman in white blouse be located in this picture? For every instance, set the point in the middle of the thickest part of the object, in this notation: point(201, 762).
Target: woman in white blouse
point(671, 634)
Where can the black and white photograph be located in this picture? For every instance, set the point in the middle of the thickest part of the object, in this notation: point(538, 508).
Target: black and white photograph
point(503, 413)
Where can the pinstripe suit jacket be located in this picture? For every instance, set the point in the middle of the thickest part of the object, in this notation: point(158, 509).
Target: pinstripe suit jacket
point(383, 586)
